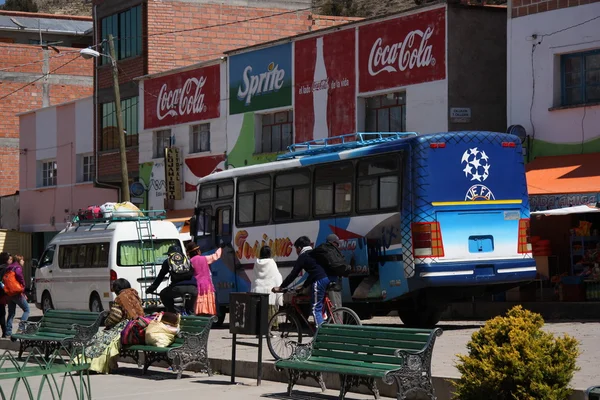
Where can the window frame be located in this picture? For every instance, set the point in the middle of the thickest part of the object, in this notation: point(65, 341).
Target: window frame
point(130, 123)
point(155, 142)
point(127, 44)
point(333, 182)
point(583, 85)
point(241, 180)
point(386, 107)
point(398, 157)
point(292, 188)
point(73, 250)
point(49, 176)
point(195, 134)
point(289, 121)
point(91, 166)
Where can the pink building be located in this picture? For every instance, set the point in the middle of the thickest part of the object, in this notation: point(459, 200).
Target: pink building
point(57, 168)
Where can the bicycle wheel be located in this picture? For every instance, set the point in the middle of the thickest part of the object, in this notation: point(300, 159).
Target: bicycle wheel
point(344, 316)
point(283, 334)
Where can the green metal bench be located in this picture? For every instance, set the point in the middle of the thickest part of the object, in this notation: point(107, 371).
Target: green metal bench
point(59, 327)
point(49, 368)
point(190, 347)
point(361, 354)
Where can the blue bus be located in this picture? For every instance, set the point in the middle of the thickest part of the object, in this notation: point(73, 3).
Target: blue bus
point(424, 220)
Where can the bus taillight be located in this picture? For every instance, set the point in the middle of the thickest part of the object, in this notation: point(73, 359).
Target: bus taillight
point(113, 275)
point(524, 239)
point(427, 240)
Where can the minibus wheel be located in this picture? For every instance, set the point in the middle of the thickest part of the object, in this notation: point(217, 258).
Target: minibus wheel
point(95, 303)
point(46, 302)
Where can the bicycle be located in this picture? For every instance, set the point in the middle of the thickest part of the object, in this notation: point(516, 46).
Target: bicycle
point(285, 330)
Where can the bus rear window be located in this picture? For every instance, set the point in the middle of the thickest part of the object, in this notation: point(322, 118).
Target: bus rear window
point(132, 254)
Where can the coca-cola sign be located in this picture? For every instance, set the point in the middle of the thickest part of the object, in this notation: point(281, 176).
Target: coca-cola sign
point(403, 51)
point(184, 97)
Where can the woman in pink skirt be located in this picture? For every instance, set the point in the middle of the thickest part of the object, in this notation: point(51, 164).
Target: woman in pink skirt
point(205, 302)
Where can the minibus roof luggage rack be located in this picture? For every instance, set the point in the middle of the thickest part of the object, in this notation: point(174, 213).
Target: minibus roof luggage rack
point(126, 215)
point(341, 143)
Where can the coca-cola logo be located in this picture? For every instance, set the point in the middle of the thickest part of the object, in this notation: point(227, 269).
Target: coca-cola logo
point(402, 56)
point(186, 100)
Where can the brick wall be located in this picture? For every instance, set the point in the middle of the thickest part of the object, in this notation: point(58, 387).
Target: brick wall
point(168, 51)
point(109, 164)
point(520, 8)
point(128, 70)
point(13, 78)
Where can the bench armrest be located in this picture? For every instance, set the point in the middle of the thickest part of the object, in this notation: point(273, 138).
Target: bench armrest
point(194, 345)
point(302, 352)
point(28, 328)
point(419, 360)
point(84, 334)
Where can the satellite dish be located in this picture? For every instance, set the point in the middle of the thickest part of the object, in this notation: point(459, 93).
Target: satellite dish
point(518, 131)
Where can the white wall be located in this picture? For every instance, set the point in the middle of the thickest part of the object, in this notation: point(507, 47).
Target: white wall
point(561, 126)
point(45, 134)
point(84, 127)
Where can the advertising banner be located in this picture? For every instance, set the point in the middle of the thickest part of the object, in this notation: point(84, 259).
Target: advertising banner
point(260, 79)
point(184, 97)
point(402, 51)
point(173, 173)
point(325, 86)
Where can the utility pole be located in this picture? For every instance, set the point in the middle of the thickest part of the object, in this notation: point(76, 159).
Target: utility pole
point(122, 152)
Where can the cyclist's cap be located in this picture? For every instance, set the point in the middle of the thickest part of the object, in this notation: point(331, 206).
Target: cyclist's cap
point(333, 238)
point(173, 249)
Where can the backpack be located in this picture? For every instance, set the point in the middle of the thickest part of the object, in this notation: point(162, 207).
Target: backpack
point(12, 287)
point(331, 259)
point(180, 267)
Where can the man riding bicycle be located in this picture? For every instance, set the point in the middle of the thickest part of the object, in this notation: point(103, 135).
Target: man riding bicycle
point(317, 278)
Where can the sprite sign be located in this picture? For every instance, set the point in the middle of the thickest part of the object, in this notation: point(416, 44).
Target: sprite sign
point(261, 79)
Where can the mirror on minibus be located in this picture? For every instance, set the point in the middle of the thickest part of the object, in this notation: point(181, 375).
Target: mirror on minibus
point(193, 225)
point(34, 263)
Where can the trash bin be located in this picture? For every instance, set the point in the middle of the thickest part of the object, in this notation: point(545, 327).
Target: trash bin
point(248, 313)
point(593, 393)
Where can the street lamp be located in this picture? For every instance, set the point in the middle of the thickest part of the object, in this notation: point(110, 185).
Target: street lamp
point(91, 53)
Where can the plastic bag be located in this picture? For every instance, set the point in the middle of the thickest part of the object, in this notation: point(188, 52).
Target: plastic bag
point(160, 334)
point(126, 210)
point(107, 209)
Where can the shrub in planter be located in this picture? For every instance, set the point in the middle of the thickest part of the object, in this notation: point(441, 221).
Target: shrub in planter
point(511, 357)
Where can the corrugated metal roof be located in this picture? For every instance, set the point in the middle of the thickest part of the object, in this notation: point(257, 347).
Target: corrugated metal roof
point(50, 25)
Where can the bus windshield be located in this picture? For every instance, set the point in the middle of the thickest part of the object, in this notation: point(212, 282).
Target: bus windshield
point(131, 254)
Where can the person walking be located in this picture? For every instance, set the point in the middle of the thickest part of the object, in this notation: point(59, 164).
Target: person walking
point(205, 302)
point(5, 260)
point(18, 299)
point(266, 277)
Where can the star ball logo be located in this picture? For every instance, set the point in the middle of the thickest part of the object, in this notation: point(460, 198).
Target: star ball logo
point(477, 168)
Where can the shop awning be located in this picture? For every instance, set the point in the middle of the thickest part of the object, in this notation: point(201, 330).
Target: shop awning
point(591, 208)
point(575, 173)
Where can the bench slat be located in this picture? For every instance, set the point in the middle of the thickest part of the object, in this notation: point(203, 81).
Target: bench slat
point(364, 342)
point(374, 328)
point(335, 330)
point(353, 363)
point(385, 351)
point(357, 356)
point(332, 368)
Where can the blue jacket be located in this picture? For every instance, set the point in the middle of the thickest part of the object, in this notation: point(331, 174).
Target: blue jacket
point(309, 265)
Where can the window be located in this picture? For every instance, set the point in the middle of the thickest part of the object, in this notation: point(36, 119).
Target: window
point(378, 182)
point(386, 113)
point(219, 190)
point(162, 140)
point(49, 173)
point(126, 28)
point(110, 134)
point(292, 196)
point(200, 138)
point(133, 254)
point(580, 78)
point(254, 200)
point(277, 132)
point(91, 255)
point(333, 189)
point(88, 168)
point(48, 256)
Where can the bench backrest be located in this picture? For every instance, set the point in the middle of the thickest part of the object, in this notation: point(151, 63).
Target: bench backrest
point(60, 322)
point(193, 324)
point(372, 344)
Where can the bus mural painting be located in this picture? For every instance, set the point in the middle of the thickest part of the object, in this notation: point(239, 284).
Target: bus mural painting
point(280, 247)
point(397, 201)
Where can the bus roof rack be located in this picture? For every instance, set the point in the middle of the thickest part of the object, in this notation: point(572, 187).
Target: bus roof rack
point(341, 143)
point(126, 215)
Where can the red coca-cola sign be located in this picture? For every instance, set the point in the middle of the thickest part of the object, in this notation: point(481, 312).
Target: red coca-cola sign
point(402, 51)
point(185, 97)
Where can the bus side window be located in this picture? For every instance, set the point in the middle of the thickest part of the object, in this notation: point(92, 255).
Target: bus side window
point(333, 188)
point(223, 226)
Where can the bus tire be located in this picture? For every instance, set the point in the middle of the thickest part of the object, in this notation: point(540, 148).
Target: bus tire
point(96, 303)
point(46, 302)
point(423, 317)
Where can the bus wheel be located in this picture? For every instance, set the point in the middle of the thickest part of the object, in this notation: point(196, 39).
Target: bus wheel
point(424, 317)
point(46, 302)
point(95, 303)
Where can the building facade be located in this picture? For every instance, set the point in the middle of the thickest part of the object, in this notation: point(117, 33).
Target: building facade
point(154, 36)
point(421, 70)
point(40, 66)
point(57, 168)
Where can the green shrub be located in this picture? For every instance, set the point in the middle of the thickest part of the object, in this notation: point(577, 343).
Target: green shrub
point(511, 357)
